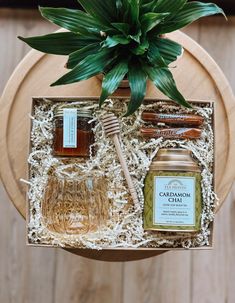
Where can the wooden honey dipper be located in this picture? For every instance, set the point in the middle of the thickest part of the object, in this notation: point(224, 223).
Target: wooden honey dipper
point(112, 129)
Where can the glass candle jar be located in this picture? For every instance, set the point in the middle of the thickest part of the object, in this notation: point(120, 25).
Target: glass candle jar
point(71, 206)
point(73, 133)
point(173, 192)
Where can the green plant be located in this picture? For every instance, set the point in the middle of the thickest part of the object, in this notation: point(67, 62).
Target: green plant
point(121, 38)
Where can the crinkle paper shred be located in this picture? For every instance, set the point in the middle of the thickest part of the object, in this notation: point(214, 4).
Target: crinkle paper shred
point(124, 228)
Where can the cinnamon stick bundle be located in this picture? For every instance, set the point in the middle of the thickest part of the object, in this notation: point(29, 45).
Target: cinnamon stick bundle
point(171, 133)
point(186, 120)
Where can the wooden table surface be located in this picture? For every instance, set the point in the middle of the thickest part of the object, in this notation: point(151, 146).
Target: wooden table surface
point(36, 274)
point(36, 71)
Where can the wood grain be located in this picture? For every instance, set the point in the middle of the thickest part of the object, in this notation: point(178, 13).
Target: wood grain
point(204, 276)
point(88, 281)
point(38, 274)
point(20, 267)
point(49, 275)
point(37, 71)
point(217, 267)
point(163, 279)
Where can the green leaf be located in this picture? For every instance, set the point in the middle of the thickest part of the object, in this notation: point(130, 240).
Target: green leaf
point(130, 12)
point(168, 49)
point(154, 55)
point(191, 12)
point(138, 82)
point(58, 43)
point(123, 12)
point(119, 4)
point(103, 10)
point(164, 81)
point(141, 48)
point(88, 67)
point(124, 28)
point(163, 6)
point(112, 79)
point(74, 20)
point(79, 55)
point(144, 2)
point(150, 20)
point(147, 6)
point(115, 40)
point(136, 37)
point(134, 6)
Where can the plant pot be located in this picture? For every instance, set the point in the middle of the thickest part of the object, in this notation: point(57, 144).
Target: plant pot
point(124, 83)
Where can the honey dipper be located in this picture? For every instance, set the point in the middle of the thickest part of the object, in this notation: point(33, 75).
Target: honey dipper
point(112, 129)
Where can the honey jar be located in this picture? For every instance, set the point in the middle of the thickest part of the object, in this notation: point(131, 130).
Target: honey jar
point(173, 192)
point(73, 135)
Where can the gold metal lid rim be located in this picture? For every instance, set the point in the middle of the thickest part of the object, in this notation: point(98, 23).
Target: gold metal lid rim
point(173, 159)
point(175, 168)
point(80, 111)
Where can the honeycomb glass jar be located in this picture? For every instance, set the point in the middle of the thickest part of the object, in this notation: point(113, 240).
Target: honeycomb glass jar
point(173, 192)
point(73, 135)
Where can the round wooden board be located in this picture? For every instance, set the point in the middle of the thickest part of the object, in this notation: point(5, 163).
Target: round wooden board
point(197, 76)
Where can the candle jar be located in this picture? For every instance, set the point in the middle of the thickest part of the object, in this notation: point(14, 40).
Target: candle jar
point(73, 133)
point(71, 206)
point(173, 192)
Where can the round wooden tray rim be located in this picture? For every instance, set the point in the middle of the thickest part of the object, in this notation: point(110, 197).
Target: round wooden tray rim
point(33, 58)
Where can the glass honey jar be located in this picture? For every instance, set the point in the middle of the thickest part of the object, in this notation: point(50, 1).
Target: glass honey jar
point(73, 134)
point(173, 200)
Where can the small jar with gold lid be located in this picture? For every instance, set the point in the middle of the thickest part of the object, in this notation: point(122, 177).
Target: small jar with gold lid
point(73, 133)
point(173, 192)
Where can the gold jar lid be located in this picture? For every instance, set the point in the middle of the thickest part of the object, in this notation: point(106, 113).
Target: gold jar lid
point(174, 159)
point(86, 113)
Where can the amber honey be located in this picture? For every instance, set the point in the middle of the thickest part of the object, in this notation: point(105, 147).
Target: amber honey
point(83, 134)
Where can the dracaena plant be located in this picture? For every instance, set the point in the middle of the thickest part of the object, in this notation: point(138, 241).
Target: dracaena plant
point(121, 38)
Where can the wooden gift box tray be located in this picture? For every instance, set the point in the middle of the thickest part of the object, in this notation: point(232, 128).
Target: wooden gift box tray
point(203, 103)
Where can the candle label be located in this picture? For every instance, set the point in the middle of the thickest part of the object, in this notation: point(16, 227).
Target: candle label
point(70, 128)
point(174, 201)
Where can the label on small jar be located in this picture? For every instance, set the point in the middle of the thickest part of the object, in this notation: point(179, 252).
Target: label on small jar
point(174, 201)
point(69, 127)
